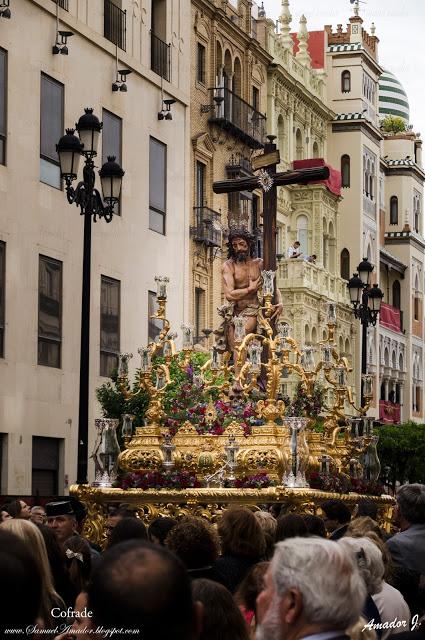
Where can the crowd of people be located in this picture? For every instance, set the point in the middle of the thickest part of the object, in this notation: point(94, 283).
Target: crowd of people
point(264, 574)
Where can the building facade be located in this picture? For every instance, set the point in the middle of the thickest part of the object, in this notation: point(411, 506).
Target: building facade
point(41, 235)
point(228, 125)
point(299, 115)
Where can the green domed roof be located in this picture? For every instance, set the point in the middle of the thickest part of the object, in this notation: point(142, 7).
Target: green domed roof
point(392, 97)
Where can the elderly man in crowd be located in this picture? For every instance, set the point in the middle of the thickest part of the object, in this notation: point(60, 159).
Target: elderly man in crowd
point(408, 547)
point(313, 589)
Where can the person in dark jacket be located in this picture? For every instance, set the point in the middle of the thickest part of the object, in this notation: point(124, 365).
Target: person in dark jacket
point(242, 545)
point(337, 517)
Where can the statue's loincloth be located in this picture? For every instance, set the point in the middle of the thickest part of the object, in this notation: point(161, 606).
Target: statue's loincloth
point(228, 311)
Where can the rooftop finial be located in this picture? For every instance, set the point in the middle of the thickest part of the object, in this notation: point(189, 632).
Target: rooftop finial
point(285, 21)
point(262, 11)
point(356, 6)
point(303, 55)
point(372, 29)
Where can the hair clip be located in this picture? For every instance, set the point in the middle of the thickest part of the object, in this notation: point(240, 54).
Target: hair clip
point(72, 554)
point(361, 558)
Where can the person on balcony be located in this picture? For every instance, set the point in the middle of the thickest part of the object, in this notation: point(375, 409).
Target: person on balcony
point(294, 250)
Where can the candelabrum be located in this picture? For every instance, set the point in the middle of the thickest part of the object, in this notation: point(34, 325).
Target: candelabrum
point(267, 351)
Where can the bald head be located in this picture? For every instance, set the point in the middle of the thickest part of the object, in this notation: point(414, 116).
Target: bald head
point(142, 586)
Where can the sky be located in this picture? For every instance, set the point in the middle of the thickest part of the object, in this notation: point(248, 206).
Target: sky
point(400, 27)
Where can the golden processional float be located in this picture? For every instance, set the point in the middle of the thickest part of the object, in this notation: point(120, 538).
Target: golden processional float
point(280, 459)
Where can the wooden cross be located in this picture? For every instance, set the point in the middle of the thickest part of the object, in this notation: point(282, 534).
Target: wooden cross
point(268, 179)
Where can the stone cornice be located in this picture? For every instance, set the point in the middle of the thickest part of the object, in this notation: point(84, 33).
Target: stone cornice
point(280, 74)
point(358, 125)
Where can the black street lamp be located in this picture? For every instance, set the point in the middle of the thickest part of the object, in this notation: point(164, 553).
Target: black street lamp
point(366, 301)
point(70, 148)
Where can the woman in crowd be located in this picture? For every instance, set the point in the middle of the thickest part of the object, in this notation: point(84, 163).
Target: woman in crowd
point(268, 524)
point(247, 593)
point(290, 525)
point(159, 529)
point(196, 543)
point(78, 559)
point(222, 619)
point(31, 536)
point(57, 561)
point(242, 546)
point(371, 567)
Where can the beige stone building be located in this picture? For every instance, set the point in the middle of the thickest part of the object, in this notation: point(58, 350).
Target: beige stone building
point(228, 125)
point(41, 235)
point(299, 115)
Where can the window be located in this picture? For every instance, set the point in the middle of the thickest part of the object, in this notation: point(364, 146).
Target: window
point(416, 307)
point(45, 466)
point(199, 313)
point(154, 325)
point(345, 264)
point(112, 141)
point(299, 148)
point(51, 129)
point(302, 233)
point(3, 105)
point(256, 98)
point(2, 294)
point(393, 210)
point(200, 66)
point(157, 185)
point(345, 171)
point(396, 294)
point(200, 184)
point(345, 81)
point(109, 324)
point(49, 312)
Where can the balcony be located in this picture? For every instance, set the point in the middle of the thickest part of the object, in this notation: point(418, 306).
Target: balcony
point(369, 206)
point(160, 57)
point(239, 118)
point(207, 229)
point(391, 318)
point(300, 274)
point(389, 412)
point(239, 166)
point(64, 4)
point(114, 26)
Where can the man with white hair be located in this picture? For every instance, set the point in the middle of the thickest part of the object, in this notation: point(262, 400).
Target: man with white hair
point(312, 589)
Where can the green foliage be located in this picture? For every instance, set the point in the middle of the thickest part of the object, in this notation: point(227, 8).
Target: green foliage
point(114, 404)
point(304, 405)
point(401, 448)
point(393, 124)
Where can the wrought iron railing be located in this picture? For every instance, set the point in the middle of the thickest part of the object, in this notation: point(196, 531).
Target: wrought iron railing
point(238, 117)
point(114, 28)
point(64, 4)
point(207, 227)
point(160, 57)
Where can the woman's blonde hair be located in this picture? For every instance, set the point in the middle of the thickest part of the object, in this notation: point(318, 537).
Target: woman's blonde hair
point(34, 541)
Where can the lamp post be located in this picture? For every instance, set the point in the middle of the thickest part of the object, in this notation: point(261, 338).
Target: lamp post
point(366, 301)
point(70, 148)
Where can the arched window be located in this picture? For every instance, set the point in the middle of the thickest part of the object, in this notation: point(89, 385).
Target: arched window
point(416, 300)
point(393, 210)
point(396, 294)
point(345, 264)
point(299, 149)
point(345, 170)
point(302, 233)
point(345, 81)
